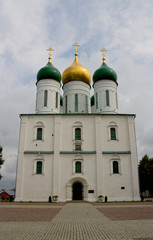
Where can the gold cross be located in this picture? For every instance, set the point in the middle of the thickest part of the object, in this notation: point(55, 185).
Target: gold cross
point(103, 50)
point(50, 49)
point(76, 45)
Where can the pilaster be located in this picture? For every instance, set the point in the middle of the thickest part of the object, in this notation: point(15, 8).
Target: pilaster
point(20, 161)
point(56, 160)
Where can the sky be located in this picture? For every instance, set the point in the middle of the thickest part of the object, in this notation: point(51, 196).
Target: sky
point(29, 27)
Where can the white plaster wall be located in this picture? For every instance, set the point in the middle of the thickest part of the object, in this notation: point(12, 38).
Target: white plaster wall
point(67, 173)
point(114, 182)
point(37, 187)
point(58, 167)
point(121, 124)
point(47, 143)
point(20, 160)
point(67, 137)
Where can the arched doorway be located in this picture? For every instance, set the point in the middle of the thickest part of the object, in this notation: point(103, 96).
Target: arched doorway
point(69, 188)
point(77, 191)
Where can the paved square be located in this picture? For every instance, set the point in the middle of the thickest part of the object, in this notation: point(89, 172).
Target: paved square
point(76, 221)
point(27, 214)
point(127, 213)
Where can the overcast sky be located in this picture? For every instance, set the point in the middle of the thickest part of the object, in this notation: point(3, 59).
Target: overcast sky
point(29, 27)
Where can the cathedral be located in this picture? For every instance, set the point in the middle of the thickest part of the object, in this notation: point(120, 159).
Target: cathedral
point(77, 146)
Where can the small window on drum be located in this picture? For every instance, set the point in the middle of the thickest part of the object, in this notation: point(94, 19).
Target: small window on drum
point(76, 102)
point(45, 98)
point(56, 100)
point(107, 98)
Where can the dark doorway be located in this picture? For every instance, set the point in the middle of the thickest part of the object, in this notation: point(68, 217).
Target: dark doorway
point(77, 191)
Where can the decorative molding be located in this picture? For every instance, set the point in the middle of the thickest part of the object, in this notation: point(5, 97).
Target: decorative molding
point(61, 152)
point(39, 152)
point(91, 114)
point(116, 152)
point(74, 152)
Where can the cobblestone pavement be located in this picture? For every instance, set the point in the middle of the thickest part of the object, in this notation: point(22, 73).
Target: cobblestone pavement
point(77, 221)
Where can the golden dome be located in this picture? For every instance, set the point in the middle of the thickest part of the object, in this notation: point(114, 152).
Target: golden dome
point(76, 72)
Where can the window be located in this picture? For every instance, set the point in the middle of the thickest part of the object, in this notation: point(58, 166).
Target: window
point(96, 100)
point(56, 104)
point(113, 133)
point(78, 167)
point(39, 130)
point(39, 133)
point(107, 98)
point(86, 103)
point(45, 98)
point(76, 102)
point(115, 167)
point(39, 167)
point(78, 134)
point(115, 164)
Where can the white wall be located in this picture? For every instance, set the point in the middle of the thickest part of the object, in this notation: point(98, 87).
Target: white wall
point(59, 175)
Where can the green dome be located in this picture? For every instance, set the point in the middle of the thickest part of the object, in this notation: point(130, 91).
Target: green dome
point(49, 72)
point(104, 72)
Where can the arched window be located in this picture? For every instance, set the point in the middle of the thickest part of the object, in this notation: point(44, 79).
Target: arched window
point(113, 133)
point(78, 167)
point(78, 134)
point(96, 100)
point(107, 98)
point(56, 100)
point(86, 103)
point(45, 98)
point(76, 102)
point(115, 167)
point(39, 133)
point(39, 167)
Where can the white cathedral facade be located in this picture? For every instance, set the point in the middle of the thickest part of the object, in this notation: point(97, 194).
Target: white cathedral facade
point(77, 146)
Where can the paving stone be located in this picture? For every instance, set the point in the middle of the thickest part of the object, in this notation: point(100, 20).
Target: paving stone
point(79, 221)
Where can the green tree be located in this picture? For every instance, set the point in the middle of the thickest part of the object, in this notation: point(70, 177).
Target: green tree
point(146, 174)
point(1, 159)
